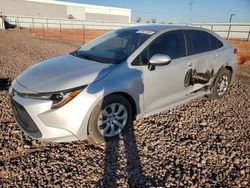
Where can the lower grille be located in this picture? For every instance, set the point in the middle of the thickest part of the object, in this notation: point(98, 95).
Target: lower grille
point(24, 120)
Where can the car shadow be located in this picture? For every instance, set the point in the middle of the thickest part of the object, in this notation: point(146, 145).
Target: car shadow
point(134, 170)
point(135, 176)
point(5, 84)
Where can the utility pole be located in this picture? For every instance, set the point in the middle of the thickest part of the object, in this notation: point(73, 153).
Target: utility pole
point(229, 29)
point(190, 4)
point(231, 16)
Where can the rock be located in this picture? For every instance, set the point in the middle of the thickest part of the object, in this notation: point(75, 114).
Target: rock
point(204, 143)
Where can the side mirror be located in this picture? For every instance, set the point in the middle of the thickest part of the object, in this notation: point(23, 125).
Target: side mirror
point(160, 59)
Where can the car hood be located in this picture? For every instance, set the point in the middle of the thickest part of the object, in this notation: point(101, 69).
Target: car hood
point(63, 72)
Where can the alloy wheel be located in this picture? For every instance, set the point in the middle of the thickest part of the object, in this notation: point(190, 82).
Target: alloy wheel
point(222, 85)
point(112, 120)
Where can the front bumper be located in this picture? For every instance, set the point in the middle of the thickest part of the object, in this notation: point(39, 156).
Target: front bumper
point(26, 113)
point(67, 123)
point(24, 120)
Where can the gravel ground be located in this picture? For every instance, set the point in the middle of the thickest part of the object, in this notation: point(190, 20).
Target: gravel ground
point(205, 143)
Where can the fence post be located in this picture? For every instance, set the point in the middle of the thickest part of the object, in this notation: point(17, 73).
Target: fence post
point(2, 26)
point(212, 27)
point(229, 29)
point(60, 30)
point(33, 22)
point(47, 23)
point(83, 33)
point(248, 35)
point(43, 31)
point(18, 24)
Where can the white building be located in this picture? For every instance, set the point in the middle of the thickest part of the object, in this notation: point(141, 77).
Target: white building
point(64, 10)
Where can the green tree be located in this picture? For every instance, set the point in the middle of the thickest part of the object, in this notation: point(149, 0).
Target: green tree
point(70, 16)
point(153, 20)
point(138, 20)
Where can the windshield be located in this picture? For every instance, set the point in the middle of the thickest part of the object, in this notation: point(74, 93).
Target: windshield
point(113, 47)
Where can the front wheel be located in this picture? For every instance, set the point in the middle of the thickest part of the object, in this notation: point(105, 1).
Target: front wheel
point(221, 84)
point(109, 118)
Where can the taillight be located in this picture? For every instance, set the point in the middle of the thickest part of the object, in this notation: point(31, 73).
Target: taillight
point(235, 51)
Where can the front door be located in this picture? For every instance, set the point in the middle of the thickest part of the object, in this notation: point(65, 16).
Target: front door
point(164, 85)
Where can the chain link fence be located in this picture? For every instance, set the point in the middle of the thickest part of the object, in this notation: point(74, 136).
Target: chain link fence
point(84, 31)
point(66, 29)
point(239, 31)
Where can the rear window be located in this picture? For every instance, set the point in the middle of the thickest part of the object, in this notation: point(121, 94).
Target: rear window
point(199, 41)
point(215, 43)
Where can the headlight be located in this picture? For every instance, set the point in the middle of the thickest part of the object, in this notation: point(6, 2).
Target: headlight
point(62, 98)
point(58, 98)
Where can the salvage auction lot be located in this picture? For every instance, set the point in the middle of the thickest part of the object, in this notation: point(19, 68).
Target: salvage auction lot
point(202, 143)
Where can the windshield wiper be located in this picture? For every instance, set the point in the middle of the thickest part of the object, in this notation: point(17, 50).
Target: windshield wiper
point(94, 58)
point(83, 56)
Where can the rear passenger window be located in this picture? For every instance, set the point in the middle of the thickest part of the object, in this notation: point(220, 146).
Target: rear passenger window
point(172, 44)
point(215, 43)
point(199, 41)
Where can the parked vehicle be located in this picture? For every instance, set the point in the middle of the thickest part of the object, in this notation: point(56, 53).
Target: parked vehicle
point(98, 89)
point(7, 24)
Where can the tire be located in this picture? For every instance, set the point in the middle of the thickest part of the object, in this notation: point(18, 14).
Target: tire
point(217, 91)
point(96, 127)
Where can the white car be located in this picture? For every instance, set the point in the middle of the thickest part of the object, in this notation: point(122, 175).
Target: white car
point(97, 90)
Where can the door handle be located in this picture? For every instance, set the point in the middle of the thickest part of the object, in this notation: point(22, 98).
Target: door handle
point(188, 65)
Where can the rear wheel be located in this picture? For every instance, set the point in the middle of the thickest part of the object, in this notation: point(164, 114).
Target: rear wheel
point(221, 84)
point(109, 118)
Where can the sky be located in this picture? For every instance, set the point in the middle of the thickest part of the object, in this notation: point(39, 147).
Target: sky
point(178, 11)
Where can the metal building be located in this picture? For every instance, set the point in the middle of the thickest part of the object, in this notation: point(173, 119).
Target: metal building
point(64, 10)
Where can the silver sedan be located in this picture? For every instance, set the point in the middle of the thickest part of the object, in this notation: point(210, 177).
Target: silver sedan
point(99, 89)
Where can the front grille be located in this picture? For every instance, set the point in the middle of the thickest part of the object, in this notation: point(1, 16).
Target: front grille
point(24, 120)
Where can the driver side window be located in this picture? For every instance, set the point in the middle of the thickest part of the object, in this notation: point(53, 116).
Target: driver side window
point(171, 43)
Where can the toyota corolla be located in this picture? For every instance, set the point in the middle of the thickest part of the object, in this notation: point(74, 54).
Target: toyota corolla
point(100, 88)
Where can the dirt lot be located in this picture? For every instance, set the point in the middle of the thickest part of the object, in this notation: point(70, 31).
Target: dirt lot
point(243, 51)
point(204, 143)
point(77, 35)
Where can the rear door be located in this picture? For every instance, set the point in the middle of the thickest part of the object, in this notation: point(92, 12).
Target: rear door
point(203, 60)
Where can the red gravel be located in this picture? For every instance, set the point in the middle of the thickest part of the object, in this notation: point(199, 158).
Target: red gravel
point(204, 143)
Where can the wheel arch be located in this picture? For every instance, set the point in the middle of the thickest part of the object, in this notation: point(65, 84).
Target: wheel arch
point(123, 94)
point(229, 68)
point(130, 100)
point(226, 66)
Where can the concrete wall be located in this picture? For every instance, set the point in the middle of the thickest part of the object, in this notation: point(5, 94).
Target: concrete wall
point(107, 17)
point(61, 10)
point(227, 30)
point(77, 12)
point(114, 14)
point(26, 8)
